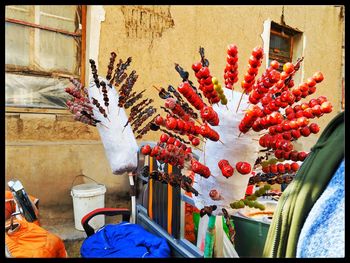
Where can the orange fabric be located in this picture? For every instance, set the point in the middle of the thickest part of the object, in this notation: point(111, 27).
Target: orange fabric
point(29, 240)
point(189, 224)
point(170, 202)
point(10, 205)
point(150, 190)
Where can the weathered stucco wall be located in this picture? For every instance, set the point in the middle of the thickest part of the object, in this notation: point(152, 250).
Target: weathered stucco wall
point(157, 36)
point(47, 151)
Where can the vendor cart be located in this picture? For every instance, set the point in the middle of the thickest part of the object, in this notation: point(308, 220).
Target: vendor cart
point(160, 209)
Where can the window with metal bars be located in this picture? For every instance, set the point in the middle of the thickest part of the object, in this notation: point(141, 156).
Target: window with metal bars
point(44, 46)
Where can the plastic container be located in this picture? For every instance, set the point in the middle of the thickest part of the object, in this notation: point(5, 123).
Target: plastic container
point(86, 198)
point(250, 237)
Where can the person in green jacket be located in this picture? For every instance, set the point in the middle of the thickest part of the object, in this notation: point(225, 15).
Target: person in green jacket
point(308, 185)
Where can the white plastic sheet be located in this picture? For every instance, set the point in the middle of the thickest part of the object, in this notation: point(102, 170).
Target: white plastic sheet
point(234, 149)
point(120, 146)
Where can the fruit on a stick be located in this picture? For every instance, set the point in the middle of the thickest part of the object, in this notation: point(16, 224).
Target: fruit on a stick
point(243, 167)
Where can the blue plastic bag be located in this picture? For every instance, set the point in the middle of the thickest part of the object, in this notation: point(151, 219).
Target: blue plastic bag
point(124, 240)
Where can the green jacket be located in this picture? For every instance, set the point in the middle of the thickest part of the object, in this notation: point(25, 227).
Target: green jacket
point(309, 183)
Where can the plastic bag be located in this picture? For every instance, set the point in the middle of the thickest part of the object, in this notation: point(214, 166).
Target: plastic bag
point(120, 145)
point(222, 246)
point(234, 149)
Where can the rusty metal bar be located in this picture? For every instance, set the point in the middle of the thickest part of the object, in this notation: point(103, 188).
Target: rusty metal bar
point(19, 22)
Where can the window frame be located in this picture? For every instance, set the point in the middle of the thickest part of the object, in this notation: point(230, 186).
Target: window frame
point(287, 32)
point(27, 70)
point(287, 36)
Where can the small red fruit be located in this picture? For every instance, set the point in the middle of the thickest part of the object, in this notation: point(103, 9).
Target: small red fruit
point(312, 90)
point(321, 99)
point(171, 123)
point(314, 128)
point(177, 143)
point(171, 140)
point(164, 137)
point(313, 102)
point(231, 60)
point(197, 66)
point(294, 166)
point(159, 120)
point(275, 64)
point(254, 62)
point(287, 167)
point(316, 110)
point(304, 87)
point(296, 91)
point(305, 131)
point(227, 171)
point(188, 150)
point(280, 168)
point(266, 169)
point(286, 155)
point(252, 70)
point(284, 75)
point(146, 149)
point(294, 156)
point(293, 124)
point(195, 141)
point(232, 50)
point(248, 77)
point(318, 76)
point(273, 169)
point(279, 154)
point(258, 52)
point(287, 135)
point(326, 107)
point(296, 134)
point(302, 156)
point(308, 113)
point(288, 67)
point(310, 82)
point(243, 167)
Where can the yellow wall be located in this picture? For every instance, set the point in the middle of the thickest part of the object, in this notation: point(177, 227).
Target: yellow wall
point(168, 34)
point(46, 151)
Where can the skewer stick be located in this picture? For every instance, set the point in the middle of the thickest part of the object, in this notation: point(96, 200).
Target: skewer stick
point(108, 119)
point(239, 134)
point(156, 88)
point(197, 148)
point(123, 129)
point(239, 102)
point(221, 142)
point(107, 110)
point(103, 125)
point(226, 107)
point(118, 110)
point(198, 122)
point(204, 156)
point(201, 139)
point(263, 133)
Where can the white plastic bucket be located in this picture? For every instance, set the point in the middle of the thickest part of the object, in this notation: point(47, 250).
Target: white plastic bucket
point(86, 198)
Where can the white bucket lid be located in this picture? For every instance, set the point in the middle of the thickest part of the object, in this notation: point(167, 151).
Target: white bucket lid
point(87, 190)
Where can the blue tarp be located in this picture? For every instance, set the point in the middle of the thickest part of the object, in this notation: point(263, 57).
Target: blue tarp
point(124, 240)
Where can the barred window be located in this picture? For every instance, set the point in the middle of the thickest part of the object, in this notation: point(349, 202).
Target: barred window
point(43, 48)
